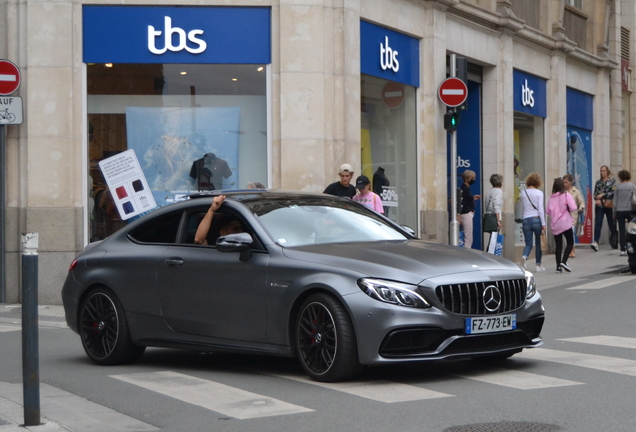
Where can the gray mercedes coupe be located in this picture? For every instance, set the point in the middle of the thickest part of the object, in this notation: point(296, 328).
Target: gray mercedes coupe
point(311, 276)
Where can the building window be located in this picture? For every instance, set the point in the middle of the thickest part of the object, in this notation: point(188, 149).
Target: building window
point(192, 127)
point(388, 149)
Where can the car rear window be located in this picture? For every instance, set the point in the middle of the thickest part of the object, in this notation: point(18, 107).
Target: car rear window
point(162, 229)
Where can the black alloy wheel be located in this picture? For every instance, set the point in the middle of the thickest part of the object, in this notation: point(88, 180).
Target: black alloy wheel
point(104, 330)
point(325, 340)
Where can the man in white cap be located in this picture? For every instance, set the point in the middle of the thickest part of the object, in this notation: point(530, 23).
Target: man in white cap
point(342, 188)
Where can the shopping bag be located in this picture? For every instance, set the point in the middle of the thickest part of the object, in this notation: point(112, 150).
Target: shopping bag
point(544, 242)
point(499, 245)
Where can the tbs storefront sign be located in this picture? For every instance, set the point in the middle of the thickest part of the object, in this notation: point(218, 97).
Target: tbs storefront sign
point(213, 35)
point(529, 93)
point(388, 54)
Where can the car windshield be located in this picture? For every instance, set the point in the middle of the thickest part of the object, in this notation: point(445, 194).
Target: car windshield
point(299, 222)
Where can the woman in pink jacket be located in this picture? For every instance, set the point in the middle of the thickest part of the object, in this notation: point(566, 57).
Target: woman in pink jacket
point(560, 206)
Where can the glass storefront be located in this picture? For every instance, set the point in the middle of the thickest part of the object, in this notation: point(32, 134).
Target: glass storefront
point(185, 88)
point(529, 139)
point(388, 146)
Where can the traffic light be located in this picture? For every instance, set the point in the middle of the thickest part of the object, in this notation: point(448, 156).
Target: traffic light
point(451, 121)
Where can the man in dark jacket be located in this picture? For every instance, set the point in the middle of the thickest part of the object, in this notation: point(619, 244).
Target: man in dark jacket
point(342, 188)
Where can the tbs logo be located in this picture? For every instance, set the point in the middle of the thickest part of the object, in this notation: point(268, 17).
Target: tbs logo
point(527, 97)
point(388, 57)
point(168, 32)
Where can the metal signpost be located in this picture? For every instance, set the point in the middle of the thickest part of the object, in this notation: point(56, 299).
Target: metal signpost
point(453, 93)
point(10, 113)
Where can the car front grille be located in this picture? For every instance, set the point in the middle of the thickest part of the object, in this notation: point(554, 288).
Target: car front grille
point(468, 298)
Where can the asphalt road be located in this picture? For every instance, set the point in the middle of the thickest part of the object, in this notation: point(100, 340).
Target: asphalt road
point(583, 379)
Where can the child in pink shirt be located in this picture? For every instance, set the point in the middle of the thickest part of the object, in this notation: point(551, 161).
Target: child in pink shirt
point(366, 197)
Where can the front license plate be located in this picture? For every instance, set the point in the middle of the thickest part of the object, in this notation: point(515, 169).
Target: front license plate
point(491, 324)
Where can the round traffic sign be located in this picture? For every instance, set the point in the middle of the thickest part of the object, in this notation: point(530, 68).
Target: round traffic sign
point(452, 92)
point(393, 94)
point(9, 77)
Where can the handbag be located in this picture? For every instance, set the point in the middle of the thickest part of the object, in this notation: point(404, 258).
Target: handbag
point(490, 219)
point(608, 203)
point(544, 242)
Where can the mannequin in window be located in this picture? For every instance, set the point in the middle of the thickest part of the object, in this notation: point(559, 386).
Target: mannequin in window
point(379, 180)
point(209, 172)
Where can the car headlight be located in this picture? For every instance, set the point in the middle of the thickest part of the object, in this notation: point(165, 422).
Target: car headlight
point(631, 227)
point(396, 293)
point(531, 285)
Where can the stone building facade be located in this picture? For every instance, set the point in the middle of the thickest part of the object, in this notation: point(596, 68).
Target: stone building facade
point(285, 91)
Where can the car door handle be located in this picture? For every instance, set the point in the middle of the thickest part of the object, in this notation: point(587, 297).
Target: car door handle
point(174, 262)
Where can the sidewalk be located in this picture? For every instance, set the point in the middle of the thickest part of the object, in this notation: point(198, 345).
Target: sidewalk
point(585, 265)
point(79, 415)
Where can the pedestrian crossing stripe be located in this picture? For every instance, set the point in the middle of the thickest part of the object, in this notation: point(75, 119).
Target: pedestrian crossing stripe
point(590, 361)
point(599, 284)
point(516, 379)
point(612, 341)
point(8, 328)
point(380, 391)
point(214, 396)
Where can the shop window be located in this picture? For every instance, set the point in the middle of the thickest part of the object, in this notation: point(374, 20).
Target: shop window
point(192, 126)
point(529, 157)
point(388, 146)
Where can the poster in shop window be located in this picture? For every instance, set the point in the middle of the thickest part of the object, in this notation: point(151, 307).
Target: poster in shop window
point(579, 160)
point(170, 140)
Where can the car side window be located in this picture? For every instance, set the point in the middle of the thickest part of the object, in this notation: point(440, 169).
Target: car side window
point(220, 219)
point(162, 229)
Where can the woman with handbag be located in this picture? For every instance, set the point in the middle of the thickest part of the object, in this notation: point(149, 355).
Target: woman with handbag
point(568, 182)
point(623, 197)
point(560, 205)
point(603, 200)
point(492, 216)
point(533, 217)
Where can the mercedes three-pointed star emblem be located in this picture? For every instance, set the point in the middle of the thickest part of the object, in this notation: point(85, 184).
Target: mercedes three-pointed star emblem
point(492, 298)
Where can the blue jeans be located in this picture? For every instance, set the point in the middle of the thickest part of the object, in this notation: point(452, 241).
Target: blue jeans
point(532, 225)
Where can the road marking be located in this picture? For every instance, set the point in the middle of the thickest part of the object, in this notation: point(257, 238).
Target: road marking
point(211, 395)
point(613, 341)
point(73, 412)
point(590, 361)
point(380, 391)
point(516, 379)
point(603, 283)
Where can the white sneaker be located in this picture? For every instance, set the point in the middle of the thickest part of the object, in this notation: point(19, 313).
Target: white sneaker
point(523, 261)
point(623, 253)
point(540, 268)
point(594, 246)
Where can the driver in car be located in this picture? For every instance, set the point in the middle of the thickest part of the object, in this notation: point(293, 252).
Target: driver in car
point(230, 227)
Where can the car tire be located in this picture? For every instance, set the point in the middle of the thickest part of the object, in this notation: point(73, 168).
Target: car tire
point(104, 331)
point(325, 340)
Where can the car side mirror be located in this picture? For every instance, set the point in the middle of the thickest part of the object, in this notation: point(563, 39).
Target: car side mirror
point(241, 242)
point(409, 230)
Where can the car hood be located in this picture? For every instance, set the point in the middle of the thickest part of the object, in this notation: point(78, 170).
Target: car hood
point(410, 261)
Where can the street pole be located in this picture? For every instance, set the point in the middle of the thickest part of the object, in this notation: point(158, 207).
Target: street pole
point(3, 273)
point(30, 342)
point(454, 224)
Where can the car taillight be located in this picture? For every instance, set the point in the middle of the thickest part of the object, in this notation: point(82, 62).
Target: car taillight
point(73, 264)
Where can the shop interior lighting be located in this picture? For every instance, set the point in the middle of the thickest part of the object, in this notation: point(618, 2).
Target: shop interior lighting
point(234, 79)
point(184, 73)
point(108, 64)
point(260, 69)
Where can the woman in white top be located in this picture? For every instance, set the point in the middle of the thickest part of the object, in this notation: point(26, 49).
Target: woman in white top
point(494, 201)
point(533, 217)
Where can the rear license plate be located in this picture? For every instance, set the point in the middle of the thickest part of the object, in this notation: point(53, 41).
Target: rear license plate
point(491, 324)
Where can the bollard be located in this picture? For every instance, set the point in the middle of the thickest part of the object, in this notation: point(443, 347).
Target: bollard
point(30, 349)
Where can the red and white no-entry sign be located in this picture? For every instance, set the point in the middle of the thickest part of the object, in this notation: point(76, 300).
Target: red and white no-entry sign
point(393, 94)
point(452, 92)
point(9, 77)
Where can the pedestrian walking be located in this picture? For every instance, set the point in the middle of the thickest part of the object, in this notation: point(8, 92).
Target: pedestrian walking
point(533, 218)
point(603, 203)
point(568, 182)
point(623, 194)
point(467, 211)
point(560, 207)
point(342, 188)
point(494, 202)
